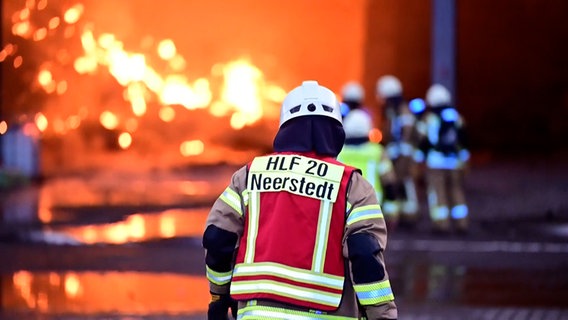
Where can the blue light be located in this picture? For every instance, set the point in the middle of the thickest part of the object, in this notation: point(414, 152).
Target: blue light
point(417, 105)
point(344, 108)
point(450, 115)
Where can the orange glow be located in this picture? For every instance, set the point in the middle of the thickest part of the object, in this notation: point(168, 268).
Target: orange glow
point(131, 125)
point(136, 226)
point(124, 140)
point(18, 62)
point(73, 14)
point(3, 55)
point(61, 87)
point(41, 4)
point(241, 92)
point(167, 114)
point(41, 122)
point(166, 49)
point(73, 122)
point(191, 148)
point(94, 293)
point(72, 285)
point(54, 22)
point(109, 120)
point(40, 34)
point(25, 14)
point(167, 226)
point(375, 135)
point(3, 127)
point(44, 77)
point(21, 29)
point(30, 4)
point(135, 94)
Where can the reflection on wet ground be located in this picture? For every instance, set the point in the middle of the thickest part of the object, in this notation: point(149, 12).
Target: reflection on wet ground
point(128, 247)
point(137, 227)
point(90, 293)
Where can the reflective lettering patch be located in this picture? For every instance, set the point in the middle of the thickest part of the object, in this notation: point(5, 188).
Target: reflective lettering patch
point(296, 174)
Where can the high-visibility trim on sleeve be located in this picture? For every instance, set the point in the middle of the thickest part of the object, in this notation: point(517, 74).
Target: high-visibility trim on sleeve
point(218, 278)
point(373, 293)
point(365, 212)
point(232, 199)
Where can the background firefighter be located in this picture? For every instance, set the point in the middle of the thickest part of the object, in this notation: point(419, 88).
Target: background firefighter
point(398, 126)
point(373, 161)
point(443, 149)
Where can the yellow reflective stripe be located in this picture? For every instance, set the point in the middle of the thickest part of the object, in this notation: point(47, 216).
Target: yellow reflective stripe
point(372, 293)
point(322, 236)
point(219, 278)
point(286, 290)
point(348, 207)
point(251, 312)
point(232, 199)
point(245, 197)
point(287, 272)
point(372, 211)
point(253, 217)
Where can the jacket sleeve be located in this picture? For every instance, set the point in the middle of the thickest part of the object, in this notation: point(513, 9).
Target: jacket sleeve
point(364, 243)
point(223, 229)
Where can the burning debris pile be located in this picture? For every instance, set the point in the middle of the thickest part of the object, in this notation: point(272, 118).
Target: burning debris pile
point(92, 100)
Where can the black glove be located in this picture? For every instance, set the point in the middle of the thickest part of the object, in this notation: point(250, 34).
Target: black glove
point(219, 307)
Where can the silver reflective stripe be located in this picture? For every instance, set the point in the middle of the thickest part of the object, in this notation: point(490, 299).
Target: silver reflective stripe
point(300, 275)
point(285, 290)
point(322, 235)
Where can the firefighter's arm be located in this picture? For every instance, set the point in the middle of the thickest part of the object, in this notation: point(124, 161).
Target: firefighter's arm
point(224, 226)
point(364, 243)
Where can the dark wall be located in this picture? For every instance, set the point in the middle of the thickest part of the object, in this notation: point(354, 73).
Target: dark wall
point(512, 79)
point(398, 43)
point(512, 66)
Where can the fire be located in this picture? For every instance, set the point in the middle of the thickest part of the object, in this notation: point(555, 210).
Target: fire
point(154, 82)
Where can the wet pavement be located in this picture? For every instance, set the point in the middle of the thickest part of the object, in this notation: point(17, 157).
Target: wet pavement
point(127, 246)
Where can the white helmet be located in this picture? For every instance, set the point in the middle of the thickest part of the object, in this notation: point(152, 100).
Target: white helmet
point(357, 124)
point(389, 86)
point(352, 91)
point(437, 95)
point(310, 99)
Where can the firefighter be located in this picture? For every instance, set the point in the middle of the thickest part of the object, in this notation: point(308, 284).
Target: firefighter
point(398, 132)
point(352, 97)
point(297, 234)
point(372, 159)
point(444, 153)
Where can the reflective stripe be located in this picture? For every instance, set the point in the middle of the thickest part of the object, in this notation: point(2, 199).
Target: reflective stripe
point(459, 212)
point(282, 271)
point(232, 199)
point(407, 120)
point(406, 149)
point(286, 290)
point(439, 213)
point(370, 173)
point(373, 293)
point(437, 160)
point(254, 212)
point(365, 212)
point(219, 278)
point(322, 236)
point(245, 196)
point(393, 150)
point(384, 167)
point(391, 208)
point(251, 312)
